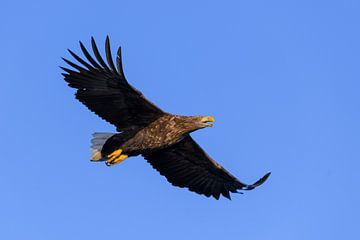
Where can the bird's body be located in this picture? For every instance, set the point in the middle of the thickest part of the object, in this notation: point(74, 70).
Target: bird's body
point(144, 129)
point(161, 133)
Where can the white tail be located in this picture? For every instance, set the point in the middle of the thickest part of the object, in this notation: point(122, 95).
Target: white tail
point(98, 141)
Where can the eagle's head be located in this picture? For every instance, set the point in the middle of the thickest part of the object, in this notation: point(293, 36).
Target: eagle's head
point(204, 121)
point(192, 123)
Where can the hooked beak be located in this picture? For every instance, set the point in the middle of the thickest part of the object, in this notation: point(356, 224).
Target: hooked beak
point(207, 119)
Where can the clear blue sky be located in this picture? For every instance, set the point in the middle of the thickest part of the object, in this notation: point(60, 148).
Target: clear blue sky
point(282, 79)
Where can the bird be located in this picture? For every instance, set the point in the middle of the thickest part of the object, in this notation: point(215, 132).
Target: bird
point(142, 128)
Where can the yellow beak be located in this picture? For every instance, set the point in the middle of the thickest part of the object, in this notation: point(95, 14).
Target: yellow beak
point(208, 119)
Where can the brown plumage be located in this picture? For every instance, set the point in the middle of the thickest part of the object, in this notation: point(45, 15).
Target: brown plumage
point(144, 129)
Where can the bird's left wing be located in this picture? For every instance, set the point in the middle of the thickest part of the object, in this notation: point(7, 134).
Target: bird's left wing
point(103, 88)
point(185, 164)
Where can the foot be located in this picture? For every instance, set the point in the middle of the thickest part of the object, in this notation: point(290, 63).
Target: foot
point(116, 157)
point(116, 160)
point(114, 154)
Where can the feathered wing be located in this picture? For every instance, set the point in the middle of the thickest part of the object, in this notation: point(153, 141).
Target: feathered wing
point(185, 164)
point(104, 89)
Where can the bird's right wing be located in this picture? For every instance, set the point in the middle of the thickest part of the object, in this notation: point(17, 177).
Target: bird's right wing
point(104, 90)
point(185, 164)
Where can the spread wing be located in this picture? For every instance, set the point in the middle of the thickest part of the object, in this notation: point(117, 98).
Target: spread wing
point(104, 90)
point(185, 164)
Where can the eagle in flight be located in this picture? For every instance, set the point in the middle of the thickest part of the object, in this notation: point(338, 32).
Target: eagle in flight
point(163, 139)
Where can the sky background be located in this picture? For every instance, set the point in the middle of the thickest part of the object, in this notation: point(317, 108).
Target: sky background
point(282, 79)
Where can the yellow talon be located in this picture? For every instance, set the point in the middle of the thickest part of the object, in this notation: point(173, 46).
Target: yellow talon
point(115, 153)
point(113, 158)
point(116, 160)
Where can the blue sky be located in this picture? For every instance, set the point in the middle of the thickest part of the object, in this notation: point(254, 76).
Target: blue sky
point(280, 77)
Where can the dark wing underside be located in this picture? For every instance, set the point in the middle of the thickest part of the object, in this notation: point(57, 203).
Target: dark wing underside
point(105, 91)
point(185, 164)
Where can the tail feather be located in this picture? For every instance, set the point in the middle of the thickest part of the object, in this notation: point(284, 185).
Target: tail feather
point(98, 141)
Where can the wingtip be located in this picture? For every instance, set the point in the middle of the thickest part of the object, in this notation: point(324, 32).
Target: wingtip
point(258, 182)
point(264, 178)
point(261, 180)
point(71, 52)
point(65, 60)
point(93, 41)
point(81, 45)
